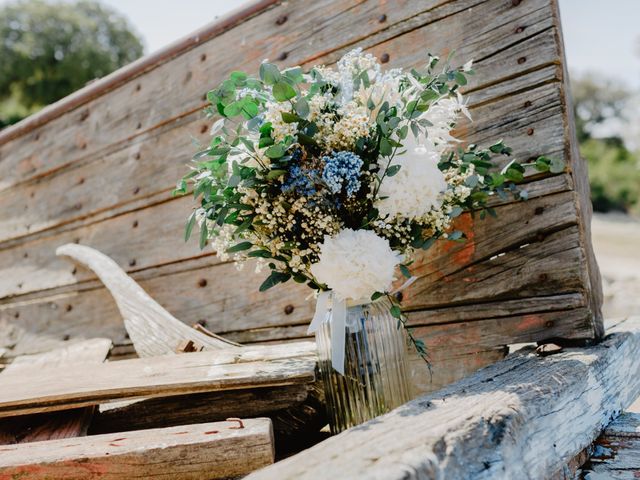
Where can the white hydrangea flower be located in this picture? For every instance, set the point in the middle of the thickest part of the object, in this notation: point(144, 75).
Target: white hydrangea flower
point(443, 115)
point(355, 264)
point(416, 188)
point(281, 129)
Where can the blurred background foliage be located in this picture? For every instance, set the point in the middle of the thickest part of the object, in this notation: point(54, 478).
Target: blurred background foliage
point(51, 49)
point(603, 111)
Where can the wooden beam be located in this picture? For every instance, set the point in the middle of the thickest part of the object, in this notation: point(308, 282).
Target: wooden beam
point(207, 450)
point(52, 425)
point(228, 369)
point(523, 417)
point(616, 454)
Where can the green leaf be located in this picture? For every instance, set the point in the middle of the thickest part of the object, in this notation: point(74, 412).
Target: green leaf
point(460, 78)
point(392, 170)
point(405, 271)
point(189, 228)
point(395, 311)
point(273, 279)
point(275, 151)
point(275, 174)
point(269, 73)
point(233, 109)
point(239, 247)
point(302, 107)
point(283, 91)
point(249, 110)
point(376, 296)
point(385, 147)
point(288, 117)
point(265, 142)
point(455, 235)
point(204, 233)
point(259, 254)
point(557, 166)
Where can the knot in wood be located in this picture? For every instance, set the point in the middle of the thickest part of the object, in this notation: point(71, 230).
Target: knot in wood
point(281, 19)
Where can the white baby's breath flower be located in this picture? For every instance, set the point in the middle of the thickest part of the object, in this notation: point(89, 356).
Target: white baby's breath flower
point(355, 264)
point(416, 188)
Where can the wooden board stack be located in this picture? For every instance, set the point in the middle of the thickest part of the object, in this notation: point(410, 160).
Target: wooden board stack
point(128, 136)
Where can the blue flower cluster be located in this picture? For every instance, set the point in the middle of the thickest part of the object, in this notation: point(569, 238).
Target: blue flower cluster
point(301, 181)
point(342, 170)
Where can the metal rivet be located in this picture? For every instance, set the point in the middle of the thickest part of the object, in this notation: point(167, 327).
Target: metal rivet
point(139, 125)
point(132, 262)
point(203, 57)
point(203, 129)
point(20, 285)
point(515, 3)
point(80, 180)
point(281, 19)
point(137, 156)
point(68, 308)
point(530, 131)
point(26, 255)
point(527, 104)
point(520, 29)
point(66, 337)
point(288, 310)
point(16, 315)
point(539, 210)
point(549, 324)
point(521, 60)
point(83, 146)
point(382, 18)
point(138, 87)
point(37, 137)
point(399, 296)
point(84, 115)
point(384, 58)
point(135, 223)
point(283, 56)
point(136, 190)
point(74, 271)
point(202, 282)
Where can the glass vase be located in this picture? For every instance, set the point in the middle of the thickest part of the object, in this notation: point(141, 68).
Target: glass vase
point(375, 378)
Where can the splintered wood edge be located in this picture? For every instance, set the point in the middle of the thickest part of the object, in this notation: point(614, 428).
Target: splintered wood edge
point(523, 417)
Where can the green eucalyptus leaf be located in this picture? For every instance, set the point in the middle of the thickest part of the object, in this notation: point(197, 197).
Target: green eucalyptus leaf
point(239, 247)
point(282, 91)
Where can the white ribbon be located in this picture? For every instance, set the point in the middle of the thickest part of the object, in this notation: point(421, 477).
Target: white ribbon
point(339, 321)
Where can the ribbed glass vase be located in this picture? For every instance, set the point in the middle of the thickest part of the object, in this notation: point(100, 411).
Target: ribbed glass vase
point(375, 377)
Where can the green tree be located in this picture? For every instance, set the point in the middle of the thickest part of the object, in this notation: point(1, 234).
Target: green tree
point(49, 50)
point(614, 171)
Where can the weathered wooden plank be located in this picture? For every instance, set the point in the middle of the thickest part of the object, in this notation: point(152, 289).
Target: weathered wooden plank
point(206, 450)
point(616, 454)
point(523, 417)
point(284, 28)
point(44, 214)
point(49, 426)
point(195, 408)
point(227, 369)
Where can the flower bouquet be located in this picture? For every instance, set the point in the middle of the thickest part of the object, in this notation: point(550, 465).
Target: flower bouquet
point(335, 178)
